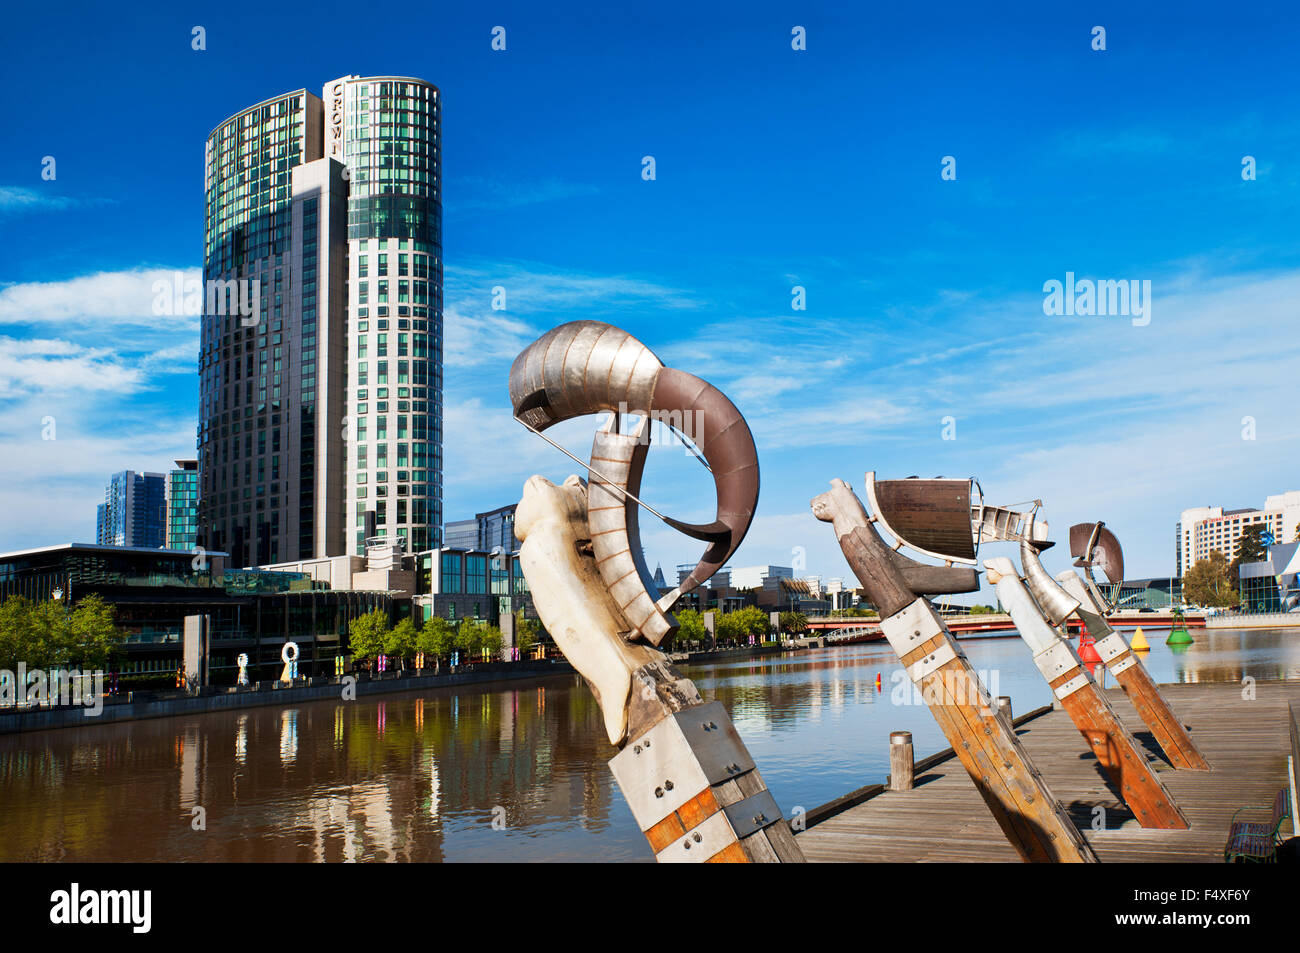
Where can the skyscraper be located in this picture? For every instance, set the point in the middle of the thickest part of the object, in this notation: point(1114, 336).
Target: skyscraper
point(183, 505)
point(132, 511)
point(321, 414)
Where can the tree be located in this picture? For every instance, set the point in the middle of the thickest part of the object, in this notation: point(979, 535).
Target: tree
point(1250, 549)
point(1208, 583)
point(469, 638)
point(794, 622)
point(743, 623)
point(50, 634)
point(981, 610)
point(436, 638)
point(1250, 544)
point(526, 632)
point(399, 641)
point(366, 634)
point(95, 635)
point(493, 639)
point(690, 626)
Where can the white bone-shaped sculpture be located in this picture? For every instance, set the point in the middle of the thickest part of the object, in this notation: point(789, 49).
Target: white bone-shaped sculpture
point(571, 597)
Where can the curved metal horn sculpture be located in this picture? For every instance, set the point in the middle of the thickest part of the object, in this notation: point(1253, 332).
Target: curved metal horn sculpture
point(1057, 604)
point(588, 367)
point(691, 784)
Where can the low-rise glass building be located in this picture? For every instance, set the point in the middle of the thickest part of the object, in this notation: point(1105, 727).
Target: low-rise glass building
point(153, 590)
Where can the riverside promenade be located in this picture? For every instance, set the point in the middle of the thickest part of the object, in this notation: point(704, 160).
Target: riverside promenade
point(944, 819)
point(134, 706)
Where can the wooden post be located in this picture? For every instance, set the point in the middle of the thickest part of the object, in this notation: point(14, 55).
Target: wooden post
point(1004, 707)
point(1082, 699)
point(1164, 724)
point(1016, 794)
point(696, 794)
point(901, 761)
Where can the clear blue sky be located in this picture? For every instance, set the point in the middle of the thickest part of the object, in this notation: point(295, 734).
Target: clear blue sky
point(775, 168)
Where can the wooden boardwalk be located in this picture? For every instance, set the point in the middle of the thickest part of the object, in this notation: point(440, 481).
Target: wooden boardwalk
point(944, 819)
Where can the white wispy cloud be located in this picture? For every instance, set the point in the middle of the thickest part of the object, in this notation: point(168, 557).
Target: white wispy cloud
point(535, 299)
point(17, 198)
point(104, 302)
point(56, 366)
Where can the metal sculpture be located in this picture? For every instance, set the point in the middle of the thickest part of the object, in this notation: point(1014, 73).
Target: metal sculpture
point(1120, 660)
point(934, 514)
point(587, 367)
point(690, 782)
point(1074, 687)
point(1093, 545)
point(289, 656)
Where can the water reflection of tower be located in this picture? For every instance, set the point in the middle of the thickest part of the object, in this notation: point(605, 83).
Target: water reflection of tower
point(289, 736)
point(188, 742)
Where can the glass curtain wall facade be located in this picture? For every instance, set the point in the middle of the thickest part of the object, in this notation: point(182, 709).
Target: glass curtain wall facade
point(183, 505)
point(326, 414)
point(388, 132)
point(249, 401)
point(133, 511)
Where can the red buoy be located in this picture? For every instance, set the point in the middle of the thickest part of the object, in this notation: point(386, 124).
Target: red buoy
point(877, 681)
point(1088, 649)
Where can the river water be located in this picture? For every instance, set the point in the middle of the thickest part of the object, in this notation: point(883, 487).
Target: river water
point(513, 772)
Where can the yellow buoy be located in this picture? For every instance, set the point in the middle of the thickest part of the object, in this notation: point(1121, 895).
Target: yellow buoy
point(1139, 643)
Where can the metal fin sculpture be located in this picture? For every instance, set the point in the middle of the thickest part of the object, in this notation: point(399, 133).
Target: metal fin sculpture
point(684, 770)
point(1093, 545)
point(985, 742)
point(1079, 694)
point(1152, 707)
point(588, 367)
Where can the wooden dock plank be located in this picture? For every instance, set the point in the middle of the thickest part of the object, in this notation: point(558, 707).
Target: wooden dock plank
point(943, 819)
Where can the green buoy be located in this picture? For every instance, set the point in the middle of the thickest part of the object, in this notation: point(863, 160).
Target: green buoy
point(1179, 635)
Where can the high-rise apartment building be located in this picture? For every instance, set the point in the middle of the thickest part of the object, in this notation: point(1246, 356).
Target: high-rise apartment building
point(133, 511)
point(1203, 529)
point(487, 532)
point(183, 505)
point(320, 420)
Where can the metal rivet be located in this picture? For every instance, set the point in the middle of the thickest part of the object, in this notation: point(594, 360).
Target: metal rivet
point(636, 749)
point(668, 785)
point(687, 845)
point(696, 837)
point(647, 744)
point(659, 792)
